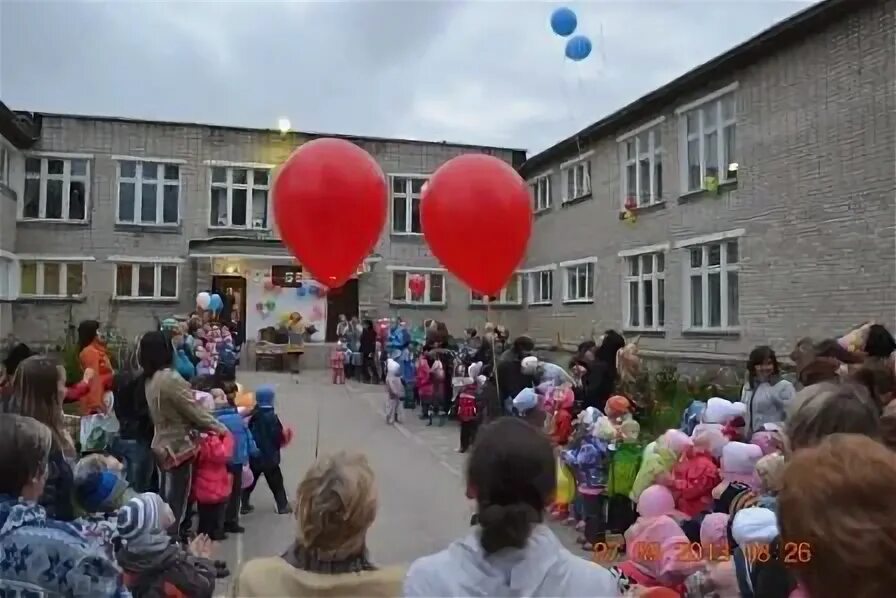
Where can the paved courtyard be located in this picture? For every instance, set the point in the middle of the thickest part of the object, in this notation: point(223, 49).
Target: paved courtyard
point(422, 503)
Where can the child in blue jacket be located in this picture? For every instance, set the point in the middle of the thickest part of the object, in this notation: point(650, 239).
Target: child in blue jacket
point(244, 449)
point(268, 433)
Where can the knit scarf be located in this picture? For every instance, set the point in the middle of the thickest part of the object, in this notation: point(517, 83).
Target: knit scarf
point(307, 559)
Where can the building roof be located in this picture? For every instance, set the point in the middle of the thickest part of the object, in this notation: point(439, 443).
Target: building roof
point(349, 137)
point(791, 30)
point(19, 129)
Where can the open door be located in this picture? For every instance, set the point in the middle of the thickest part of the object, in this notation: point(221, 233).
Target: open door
point(343, 300)
point(232, 290)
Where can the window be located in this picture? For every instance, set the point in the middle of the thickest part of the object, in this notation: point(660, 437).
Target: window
point(712, 286)
point(577, 178)
point(541, 193)
point(578, 282)
point(434, 294)
point(51, 278)
point(406, 191)
point(642, 160)
point(55, 189)
point(146, 281)
point(541, 287)
point(510, 295)
point(7, 284)
point(239, 197)
point(148, 192)
point(4, 165)
point(709, 131)
point(645, 291)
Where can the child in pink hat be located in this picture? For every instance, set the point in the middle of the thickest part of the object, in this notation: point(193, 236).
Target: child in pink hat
point(658, 554)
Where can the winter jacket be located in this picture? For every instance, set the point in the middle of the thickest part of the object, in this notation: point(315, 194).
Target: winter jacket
point(212, 482)
point(95, 357)
point(542, 568)
point(766, 404)
point(598, 385)
point(562, 427)
point(40, 556)
point(267, 430)
point(175, 414)
point(694, 477)
point(511, 379)
point(424, 381)
point(183, 365)
point(244, 445)
point(399, 339)
point(131, 409)
point(368, 341)
point(170, 573)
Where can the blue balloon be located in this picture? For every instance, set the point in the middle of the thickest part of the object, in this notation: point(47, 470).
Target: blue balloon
point(300, 292)
point(563, 21)
point(578, 48)
point(215, 303)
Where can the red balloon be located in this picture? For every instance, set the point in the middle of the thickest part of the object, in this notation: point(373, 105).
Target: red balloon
point(330, 201)
point(483, 199)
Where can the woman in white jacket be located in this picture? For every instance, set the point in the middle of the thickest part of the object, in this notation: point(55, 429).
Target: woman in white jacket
point(765, 393)
point(511, 474)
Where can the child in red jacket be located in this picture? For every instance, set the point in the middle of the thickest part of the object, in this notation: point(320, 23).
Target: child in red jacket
point(212, 483)
point(561, 426)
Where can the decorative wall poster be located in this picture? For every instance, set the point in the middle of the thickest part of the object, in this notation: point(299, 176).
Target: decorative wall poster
point(271, 305)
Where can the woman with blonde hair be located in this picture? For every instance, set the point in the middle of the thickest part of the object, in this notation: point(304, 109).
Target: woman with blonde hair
point(335, 506)
point(37, 391)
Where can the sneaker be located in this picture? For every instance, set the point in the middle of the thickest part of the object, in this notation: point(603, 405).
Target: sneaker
point(234, 528)
point(246, 509)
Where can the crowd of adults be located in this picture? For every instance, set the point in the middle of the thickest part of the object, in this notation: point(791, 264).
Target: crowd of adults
point(60, 534)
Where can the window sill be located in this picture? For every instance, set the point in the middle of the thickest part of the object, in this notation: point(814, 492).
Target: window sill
point(712, 332)
point(411, 305)
point(148, 228)
point(412, 237)
point(645, 332)
point(724, 187)
point(542, 211)
point(496, 305)
point(49, 222)
point(541, 304)
point(242, 229)
point(577, 301)
point(575, 200)
point(49, 299)
point(146, 299)
point(646, 209)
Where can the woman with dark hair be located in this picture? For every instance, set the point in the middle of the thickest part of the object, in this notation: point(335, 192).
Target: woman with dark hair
point(511, 378)
point(177, 420)
point(511, 474)
point(94, 356)
point(765, 393)
point(599, 360)
point(367, 347)
point(16, 355)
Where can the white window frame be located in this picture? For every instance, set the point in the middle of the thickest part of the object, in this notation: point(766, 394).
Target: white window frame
point(569, 168)
point(9, 269)
point(727, 165)
point(654, 155)
point(592, 278)
point(5, 157)
point(540, 187)
point(410, 197)
point(704, 270)
point(136, 263)
point(40, 262)
point(66, 177)
point(652, 252)
point(501, 298)
point(538, 273)
point(426, 273)
point(137, 181)
point(249, 186)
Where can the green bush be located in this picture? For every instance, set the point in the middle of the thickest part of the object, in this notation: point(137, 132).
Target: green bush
point(72, 363)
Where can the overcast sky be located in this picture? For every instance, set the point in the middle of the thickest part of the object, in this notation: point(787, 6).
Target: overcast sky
point(476, 72)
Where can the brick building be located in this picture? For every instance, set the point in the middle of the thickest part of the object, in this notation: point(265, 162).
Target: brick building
point(762, 189)
point(751, 200)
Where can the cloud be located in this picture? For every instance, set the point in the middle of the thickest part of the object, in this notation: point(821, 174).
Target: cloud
point(474, 71)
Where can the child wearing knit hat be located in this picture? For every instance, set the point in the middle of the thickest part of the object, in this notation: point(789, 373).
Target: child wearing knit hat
point(270, 436)
point(99, 491)
point(152, 564)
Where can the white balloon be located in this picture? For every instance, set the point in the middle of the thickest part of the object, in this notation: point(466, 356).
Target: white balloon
point(203, 299)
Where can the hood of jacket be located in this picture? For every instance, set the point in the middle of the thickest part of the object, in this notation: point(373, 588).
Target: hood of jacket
point(542, 568)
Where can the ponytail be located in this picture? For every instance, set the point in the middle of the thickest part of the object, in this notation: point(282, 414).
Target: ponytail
point(506, 526)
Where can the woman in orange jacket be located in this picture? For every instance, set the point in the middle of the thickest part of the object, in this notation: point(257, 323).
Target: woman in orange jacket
point(94, 356)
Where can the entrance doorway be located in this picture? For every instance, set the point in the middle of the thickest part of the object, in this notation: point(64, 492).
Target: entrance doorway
point(232, 290)
point(343, 300)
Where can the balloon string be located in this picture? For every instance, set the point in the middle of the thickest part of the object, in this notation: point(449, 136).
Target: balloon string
point(488, 319)
point(317, 433)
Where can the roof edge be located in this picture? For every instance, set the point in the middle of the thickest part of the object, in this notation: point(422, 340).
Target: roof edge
point(779, 35)
point(22, 130)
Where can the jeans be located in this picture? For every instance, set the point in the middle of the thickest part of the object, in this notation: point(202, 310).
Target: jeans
point(138, 462)
point(232, 513)
point(274, 477)
point(174, 488)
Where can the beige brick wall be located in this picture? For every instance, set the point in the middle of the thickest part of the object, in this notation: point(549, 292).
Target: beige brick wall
point(816, 136)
